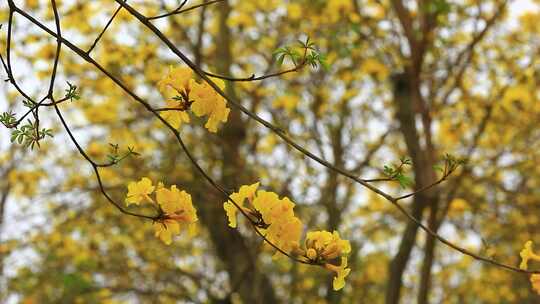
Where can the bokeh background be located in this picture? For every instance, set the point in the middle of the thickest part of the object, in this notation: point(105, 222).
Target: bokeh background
point(467, 73)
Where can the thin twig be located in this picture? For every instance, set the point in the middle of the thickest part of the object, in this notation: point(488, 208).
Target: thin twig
point(179, 9)
point(104, 29)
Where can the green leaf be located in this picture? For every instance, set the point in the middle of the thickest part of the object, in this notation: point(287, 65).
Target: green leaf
point(14, 136)
point(280, 60)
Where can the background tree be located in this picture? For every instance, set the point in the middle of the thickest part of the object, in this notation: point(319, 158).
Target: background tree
point(407, 82)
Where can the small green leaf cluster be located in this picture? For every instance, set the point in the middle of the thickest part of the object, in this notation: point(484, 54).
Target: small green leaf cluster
point(306, 54)
point(28, 103)
point(451, 163)
point(29, 134)
point(115, 157)
point(8, 119)
point(71, 92)
point(396, 172)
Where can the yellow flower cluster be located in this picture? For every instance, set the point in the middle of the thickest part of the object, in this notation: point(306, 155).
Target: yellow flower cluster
point(139, 191)
point(270, 213)
point(175, 205)
point(281, 227)
point(528, 254)
point(182, 93)
point(325, 247)
point(535, 282)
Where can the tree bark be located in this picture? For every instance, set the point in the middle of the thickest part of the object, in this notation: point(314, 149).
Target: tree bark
point(405, 98)
point(329, 199)
point(429, 257)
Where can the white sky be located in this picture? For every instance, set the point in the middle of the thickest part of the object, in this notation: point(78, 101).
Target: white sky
point(517, 8)
point(521, 6)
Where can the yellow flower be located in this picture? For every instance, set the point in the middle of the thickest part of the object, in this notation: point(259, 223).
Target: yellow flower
point(179, 212)
point(239, 198)
point(208, 102)
point(177, 82)
point(535, 282)
point(175, 117)
point(137, 191)
point(269, 212)
point(323, 247)
point(179, 79)
point(527, 254)
point(311, 253)
point(174, 201)
point(165, 229)
point(285, 233)
point(284, 229)
point(181, 91)
point(327, 245)
point(271, 207)
point(341, 272)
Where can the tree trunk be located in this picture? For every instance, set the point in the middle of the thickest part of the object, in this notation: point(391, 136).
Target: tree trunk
point(429, 257)
point(405, 101)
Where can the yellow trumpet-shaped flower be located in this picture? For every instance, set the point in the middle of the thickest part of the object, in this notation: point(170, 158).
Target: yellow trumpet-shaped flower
point(285, 233)
point(137, 191)
point(166, 229)
point(179, 79)
point(527, 254)
point(341, 272)
point(535, 282)
point(175, 117)
point(176, 208)
point(327, 245)
point(177, 83)
point(245, 192)
point(206, 101)
point(178, 213)
point(274, 216)
point(271, 207)
point(183, 93)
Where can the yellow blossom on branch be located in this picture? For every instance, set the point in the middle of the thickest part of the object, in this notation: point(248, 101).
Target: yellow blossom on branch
point(175, 118)
point(527, 254)
point(327, 245)
point(174, 87)
point(177, 79)
point(175, 206)
point(183, 93)
point(324, 247)
point(285, 233)
point(178, 213)
point(341, 272)
point(245, 192)
point(535, 282)
point(138, 191)
point(274, 216)
point(206, 101)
